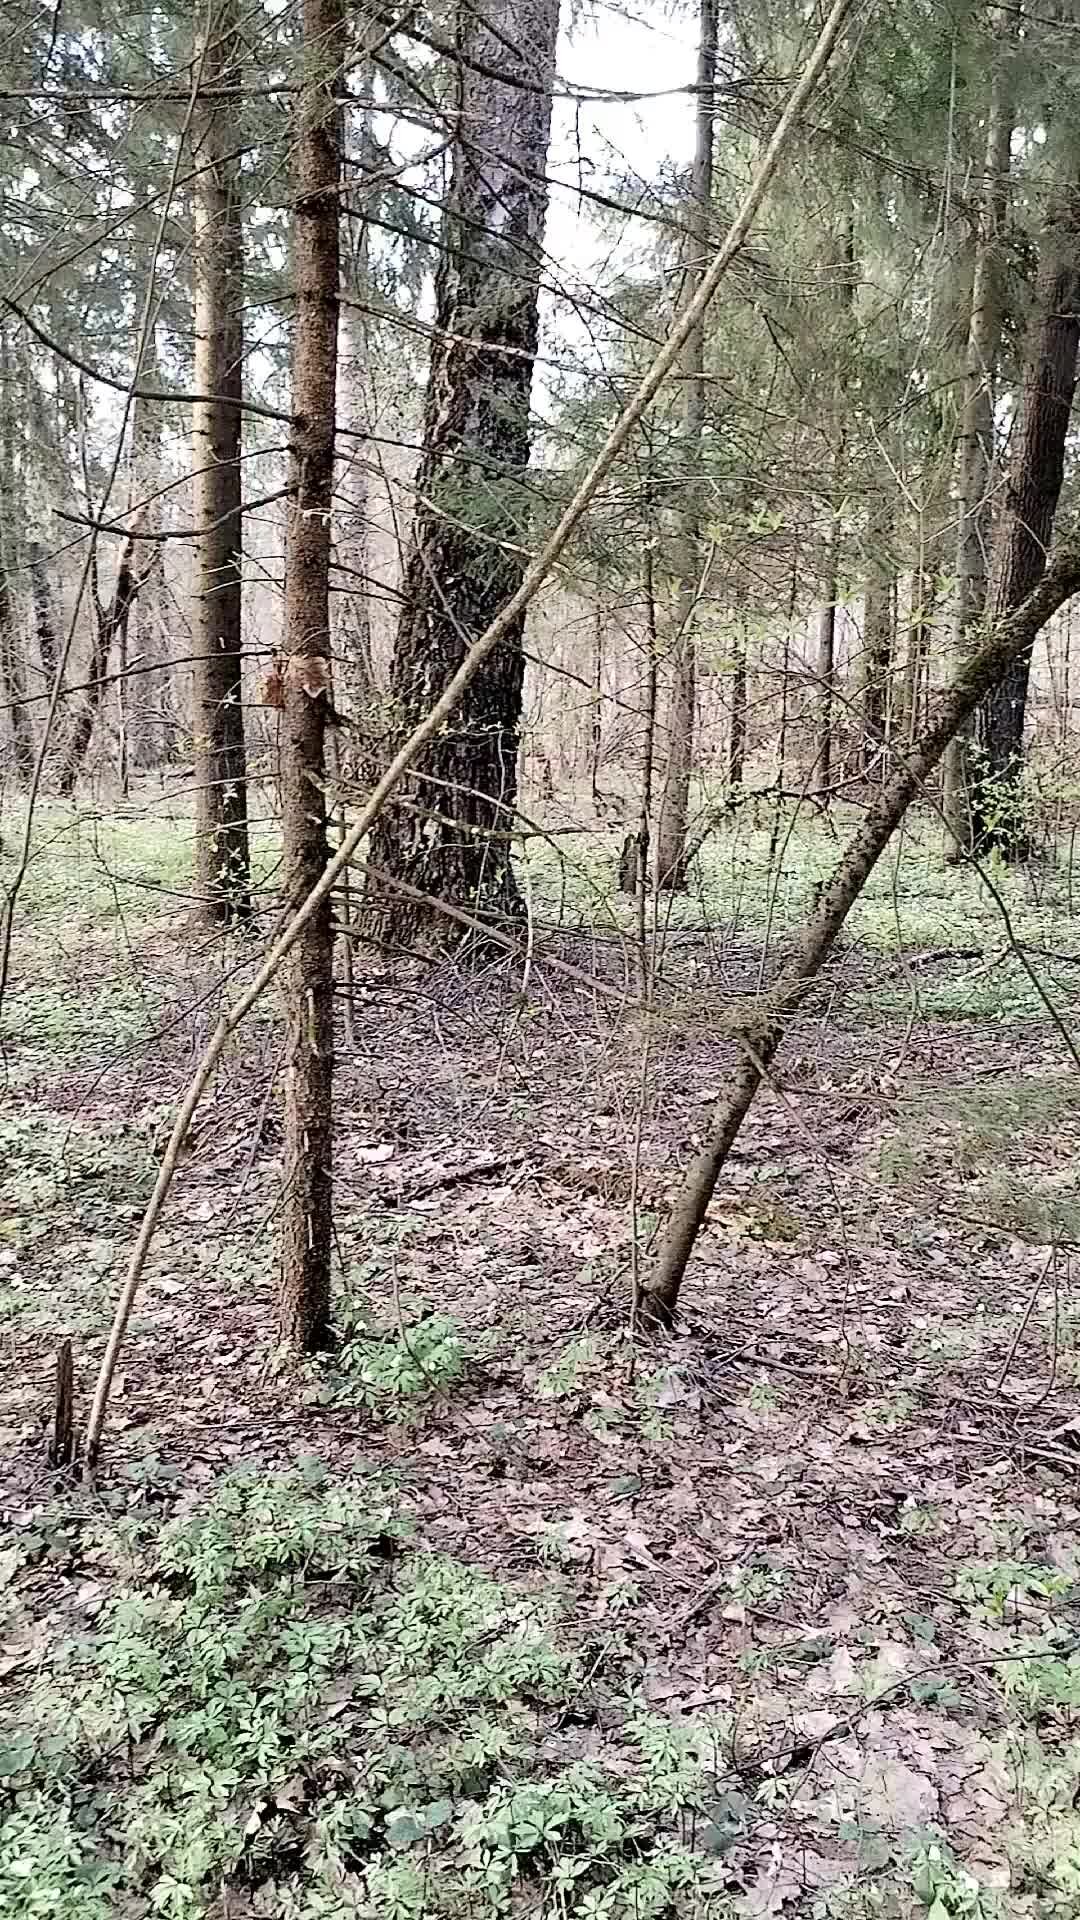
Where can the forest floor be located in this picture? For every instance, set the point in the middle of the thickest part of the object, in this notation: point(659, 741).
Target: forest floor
point(497, 1610)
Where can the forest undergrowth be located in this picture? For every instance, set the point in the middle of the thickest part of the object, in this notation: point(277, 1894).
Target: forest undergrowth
point(497, 1610)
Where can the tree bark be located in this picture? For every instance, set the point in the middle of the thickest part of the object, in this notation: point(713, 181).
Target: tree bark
point(12, 659)
point(222, 868)
point(307, 1217)
point(450, 837)
point(924, 594)
point(13, 684)
point(737, 733)
point(1037, 470)
point(48, 640)
point(151, 742)
point(877, 661)
point(977, 449)
point(675, 798)
point(110, 623)
point(1011, 637)
point(830, 573)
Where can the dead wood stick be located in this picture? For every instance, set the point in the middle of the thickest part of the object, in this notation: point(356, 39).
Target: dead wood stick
point(62, 1445)
point(533, 579)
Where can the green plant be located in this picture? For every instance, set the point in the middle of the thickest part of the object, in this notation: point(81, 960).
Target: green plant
point(284, 1701)
point(563, 1377)
point(383, 1370)
point(945, 1888)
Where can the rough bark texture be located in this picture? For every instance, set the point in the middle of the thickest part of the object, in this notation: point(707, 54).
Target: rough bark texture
point(822, 765)
point(450, 836)
point(675, 799)
point(12, 658)
point(48, 639)
point(110, 623)
point(152, 736)
point(737, 734)
point(62, 1439)
point(222, 872)
point(976, 457)
point(924, 595)
point(307, 1219)
point(1011, 637)
point(826, 668)
point(1037, 469)
point(877, 664)
point(13, 685)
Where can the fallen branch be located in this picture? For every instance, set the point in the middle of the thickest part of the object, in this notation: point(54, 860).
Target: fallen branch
point(435, 1181)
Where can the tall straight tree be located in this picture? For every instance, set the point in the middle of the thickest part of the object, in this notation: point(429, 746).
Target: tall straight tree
point(976, 460)
point(222, 874)
point(675, 798)
point(822, 766)
point(307, 1215)
point(451, 836)
point(1036, 474)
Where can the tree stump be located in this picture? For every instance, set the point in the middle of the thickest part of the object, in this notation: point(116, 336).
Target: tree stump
point(62, 1444)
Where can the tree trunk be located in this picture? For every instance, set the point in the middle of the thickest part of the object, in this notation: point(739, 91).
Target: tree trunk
point(877, 664)
point(924, 594)
point(222, 870)
point(13, 684)
point(355, 675)
point(675, 799)
point(12, 661)
point(48, 640)
point(307, 1216)
point(826, 668)
point(596, 705)
point(830, 574)
point(1037, 469)
point(450, 838)
point(110, 623)
point(976, 465)
point(150, 742)
point(1010, 638)
point(737, 734)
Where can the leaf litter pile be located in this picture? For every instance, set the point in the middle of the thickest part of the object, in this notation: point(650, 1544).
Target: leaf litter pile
point(497, 1610)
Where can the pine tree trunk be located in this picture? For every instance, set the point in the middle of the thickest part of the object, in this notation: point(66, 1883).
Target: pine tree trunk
point(48, 639)
point(826, 671)
point(877, 664)
point(450, 837)
point(222, 871)
point(13, 684)
point(675, 798)
point(737, 734)
point(12, 660)
point(976, 463)
point(307, 1216)
point(1036, 473)
point(596, 707)
point(355, 674)
point(149, 743)
point(110, 625)
point(924, 595)
point(822, 766)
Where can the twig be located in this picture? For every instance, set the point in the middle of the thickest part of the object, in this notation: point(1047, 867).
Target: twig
point(1051, 1254)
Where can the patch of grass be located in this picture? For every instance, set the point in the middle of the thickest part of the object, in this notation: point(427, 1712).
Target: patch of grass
point(66, 1187)
point(282, 1701)
point(974, 1132)
point(45, 1024)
